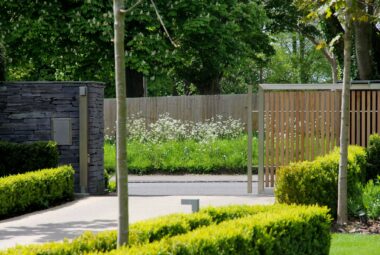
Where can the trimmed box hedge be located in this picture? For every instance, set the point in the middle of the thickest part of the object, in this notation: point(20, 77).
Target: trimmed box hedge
point(296, 230)
point(316, 182)
point(35, 190)
point(149, 231)
point(17, 158)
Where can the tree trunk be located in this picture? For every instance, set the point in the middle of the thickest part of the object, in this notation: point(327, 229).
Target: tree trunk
point(121, 153)
point(302, 73)
point(376, 49)
point(334, 70)
point(135, 83)
point(344, 124)
point(186, 88)
point(210, 88)
point(363, 47)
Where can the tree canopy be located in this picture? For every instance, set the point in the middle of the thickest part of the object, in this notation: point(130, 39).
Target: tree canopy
point(66, 40)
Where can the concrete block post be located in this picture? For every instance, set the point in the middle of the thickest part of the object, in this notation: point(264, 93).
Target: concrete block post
point(83, 139)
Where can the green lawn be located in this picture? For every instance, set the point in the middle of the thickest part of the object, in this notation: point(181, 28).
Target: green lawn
point(358, 244)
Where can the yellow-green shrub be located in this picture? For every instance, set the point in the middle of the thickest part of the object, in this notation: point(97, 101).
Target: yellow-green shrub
point(34, 190)
point(140, 233)
point(316, 182)
point(146, 231)
point(296, 230)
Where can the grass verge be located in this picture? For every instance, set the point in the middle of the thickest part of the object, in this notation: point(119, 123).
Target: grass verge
point(355, 244)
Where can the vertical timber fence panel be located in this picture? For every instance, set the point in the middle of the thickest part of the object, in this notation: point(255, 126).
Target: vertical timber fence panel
point(302, 122)
point(186, 108)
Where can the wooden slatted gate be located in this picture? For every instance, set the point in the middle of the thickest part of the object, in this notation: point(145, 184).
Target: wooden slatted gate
point(301, 122)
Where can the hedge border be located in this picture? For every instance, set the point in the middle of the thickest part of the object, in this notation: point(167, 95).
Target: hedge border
point(35, 190)
point(149, 231)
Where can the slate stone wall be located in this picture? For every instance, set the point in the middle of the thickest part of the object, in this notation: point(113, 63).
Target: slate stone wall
point(26, 112)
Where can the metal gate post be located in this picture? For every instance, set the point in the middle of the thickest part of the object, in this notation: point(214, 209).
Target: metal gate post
point(249, 151)
point(261, 141)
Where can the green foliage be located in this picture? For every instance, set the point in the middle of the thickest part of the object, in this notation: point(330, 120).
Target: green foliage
point(296, 62)
point(35, 190)
point(111, 186)
point(2, 62)
point(316, 182)
point(20, 158)
point(49, 47)
point(371, 199)
point(187, 156)
point(182, 225)
point(373, 157)
point(290, 231)
point(354, 244)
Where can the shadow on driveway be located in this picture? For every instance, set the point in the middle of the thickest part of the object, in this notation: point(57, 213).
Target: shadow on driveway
point(56, 231)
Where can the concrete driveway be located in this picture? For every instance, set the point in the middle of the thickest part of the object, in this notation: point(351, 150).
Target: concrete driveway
point(97, 213)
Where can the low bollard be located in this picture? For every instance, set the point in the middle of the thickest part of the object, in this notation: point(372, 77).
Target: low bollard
point(193, 202)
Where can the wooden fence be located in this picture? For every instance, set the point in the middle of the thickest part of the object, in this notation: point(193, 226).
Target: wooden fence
point(189, 108)
point(302, 122)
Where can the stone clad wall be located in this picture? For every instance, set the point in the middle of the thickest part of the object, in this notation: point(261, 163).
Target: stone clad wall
point(26, 112)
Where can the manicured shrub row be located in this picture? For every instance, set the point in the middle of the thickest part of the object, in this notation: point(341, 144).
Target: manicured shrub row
point(20, 158)
point(302, 230)
point(373, 157)
point(316, 182)
point(34, 190)
point(147, 231)
point(187, 156)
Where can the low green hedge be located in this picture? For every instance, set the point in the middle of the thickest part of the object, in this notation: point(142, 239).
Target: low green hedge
point(148, 231)
point(373, 157)
point(316, 182)
point(34, 190)
point(19, 158)
point(296, 230)
point(187, 156)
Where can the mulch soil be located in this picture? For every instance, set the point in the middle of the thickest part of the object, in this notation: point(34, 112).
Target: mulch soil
point(355, 226)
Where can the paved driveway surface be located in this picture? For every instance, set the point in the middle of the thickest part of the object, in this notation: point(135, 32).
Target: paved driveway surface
point(100, 213)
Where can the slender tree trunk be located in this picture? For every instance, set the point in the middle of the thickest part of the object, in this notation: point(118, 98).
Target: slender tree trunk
point(121, 154)
point(344, 126)
point(363, 42)
point(295, 62)
point(363, 47)
point(302, 68)
point(334, 70)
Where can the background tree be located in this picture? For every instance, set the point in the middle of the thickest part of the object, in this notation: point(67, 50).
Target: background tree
point(365, 50)
point(289, 16)
point(2, 63)
point(71, 40)
point(296, 61)
point(346, 12)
